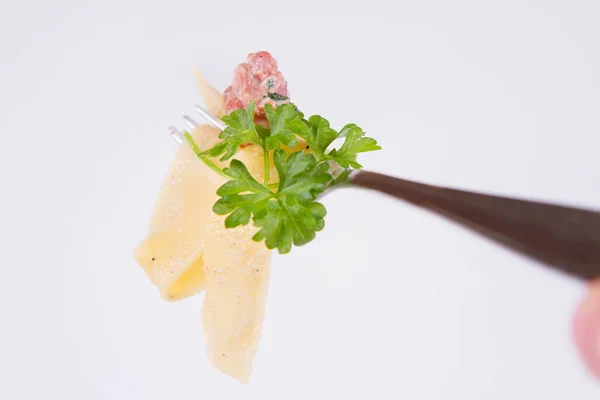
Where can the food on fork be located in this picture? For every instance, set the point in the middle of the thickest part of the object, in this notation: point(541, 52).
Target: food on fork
point(268, 165)
point(260, 80)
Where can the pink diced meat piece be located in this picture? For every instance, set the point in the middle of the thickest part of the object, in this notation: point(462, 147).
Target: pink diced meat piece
point(257, 79)
point(232, 102)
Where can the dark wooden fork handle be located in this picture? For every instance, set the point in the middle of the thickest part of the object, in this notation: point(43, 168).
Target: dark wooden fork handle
point(565, 238)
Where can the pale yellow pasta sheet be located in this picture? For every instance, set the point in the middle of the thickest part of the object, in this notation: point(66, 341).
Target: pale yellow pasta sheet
point(188, 249)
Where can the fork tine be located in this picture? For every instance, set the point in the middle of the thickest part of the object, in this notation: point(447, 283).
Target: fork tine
point(190, 122)
point(207, 115)
point(176, 135)
point(210, 118)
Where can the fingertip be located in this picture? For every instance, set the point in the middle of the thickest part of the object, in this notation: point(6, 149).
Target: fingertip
point(586, 329)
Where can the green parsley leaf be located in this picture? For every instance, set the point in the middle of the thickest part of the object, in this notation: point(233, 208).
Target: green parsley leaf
point(355, 143)
point(240, 195)
point(317, 132)
point(287, 217)
point(281, 121)
point(240, 130)
point(293, 217)
point(300, 176)
point(283, 224)
point(346, 129)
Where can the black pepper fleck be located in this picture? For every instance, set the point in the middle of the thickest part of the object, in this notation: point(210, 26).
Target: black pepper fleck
point(153, 258)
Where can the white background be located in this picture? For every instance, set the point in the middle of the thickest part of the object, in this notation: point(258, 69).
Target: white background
point(389, 302)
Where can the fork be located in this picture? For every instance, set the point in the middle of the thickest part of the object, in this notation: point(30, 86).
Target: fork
point(564, 238)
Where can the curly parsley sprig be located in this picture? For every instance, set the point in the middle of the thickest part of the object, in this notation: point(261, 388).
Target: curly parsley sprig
point(286, 212)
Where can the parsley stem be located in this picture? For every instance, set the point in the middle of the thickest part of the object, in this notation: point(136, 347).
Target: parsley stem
point(203, 157)
point(267, 165)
